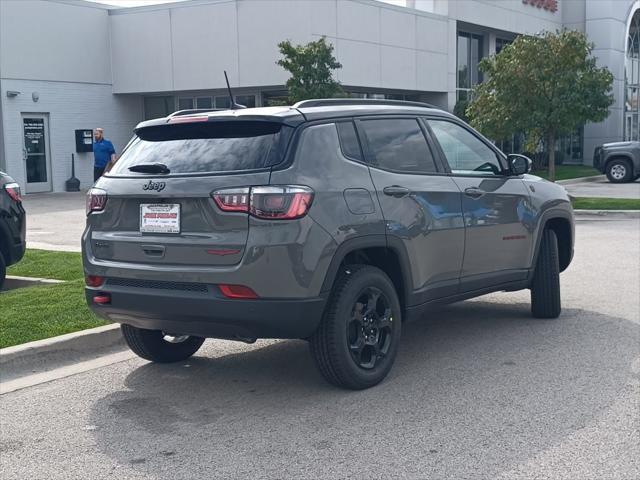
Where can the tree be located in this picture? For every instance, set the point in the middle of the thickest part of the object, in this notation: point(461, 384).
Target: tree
point(311, 67)
point(544, 86)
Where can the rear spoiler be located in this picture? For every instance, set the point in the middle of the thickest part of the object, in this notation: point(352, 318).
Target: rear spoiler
point(282, 115)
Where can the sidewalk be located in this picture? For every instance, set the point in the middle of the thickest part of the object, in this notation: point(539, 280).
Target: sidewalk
point(602, 188)
point(55, 221)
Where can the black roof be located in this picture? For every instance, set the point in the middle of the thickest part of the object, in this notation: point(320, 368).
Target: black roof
point(307, 110)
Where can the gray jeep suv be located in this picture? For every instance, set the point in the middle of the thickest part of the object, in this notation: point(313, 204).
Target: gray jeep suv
point(333, 221)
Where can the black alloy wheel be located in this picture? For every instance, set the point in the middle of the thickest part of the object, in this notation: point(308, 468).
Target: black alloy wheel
point(369, 332)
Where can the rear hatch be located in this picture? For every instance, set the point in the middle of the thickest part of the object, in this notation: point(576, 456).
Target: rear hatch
point(159, 207)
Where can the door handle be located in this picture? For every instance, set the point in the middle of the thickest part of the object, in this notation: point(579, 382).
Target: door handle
point(396, 191)
point(474, 192)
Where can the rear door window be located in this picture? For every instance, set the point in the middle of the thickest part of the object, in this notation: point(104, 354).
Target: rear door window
point(207, 147)
point(398, 144)
point(349, 140)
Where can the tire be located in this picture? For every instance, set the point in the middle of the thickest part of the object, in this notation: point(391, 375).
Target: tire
point(151, 345)
point(545, 287)
point(357, 340)
point(3, 271)
point(619, 170)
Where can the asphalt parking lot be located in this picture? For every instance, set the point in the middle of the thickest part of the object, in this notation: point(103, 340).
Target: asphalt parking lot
point(479, 390)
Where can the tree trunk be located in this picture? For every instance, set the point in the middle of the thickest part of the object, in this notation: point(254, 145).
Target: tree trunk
point(551, 144)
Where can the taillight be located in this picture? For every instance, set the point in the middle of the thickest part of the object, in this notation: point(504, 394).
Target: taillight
point(96, 200)
point(281, 202)
point(232, 199)
point(13, 190)
point(94, 280)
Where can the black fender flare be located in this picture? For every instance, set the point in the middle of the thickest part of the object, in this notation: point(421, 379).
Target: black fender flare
point(371, 241)
point(545, 218)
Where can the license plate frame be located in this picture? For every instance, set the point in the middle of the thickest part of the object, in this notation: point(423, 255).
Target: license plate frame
point(160, 218)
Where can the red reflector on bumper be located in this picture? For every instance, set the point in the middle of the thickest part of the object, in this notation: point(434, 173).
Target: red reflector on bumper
point(237, 291)
point(102, 299)
point(94, 280)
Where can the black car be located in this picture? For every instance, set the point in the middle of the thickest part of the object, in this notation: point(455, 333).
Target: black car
point(12, 224)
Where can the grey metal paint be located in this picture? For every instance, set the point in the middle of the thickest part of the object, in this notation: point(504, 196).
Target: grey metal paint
point(320, 164)
point(499, 224)
point(442, 236)
point(114, 247)
point(548, 200)
point(428, 221)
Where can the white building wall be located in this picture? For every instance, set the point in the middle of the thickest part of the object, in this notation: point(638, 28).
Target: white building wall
point(43, 40)
point(186, 46)
point(606, 27)
point(508, 15)
point(70, 106)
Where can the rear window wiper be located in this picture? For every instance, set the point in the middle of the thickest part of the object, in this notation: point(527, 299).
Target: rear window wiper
point(150, 168)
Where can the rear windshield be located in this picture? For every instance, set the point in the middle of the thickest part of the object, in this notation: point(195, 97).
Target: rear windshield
point(206, 147)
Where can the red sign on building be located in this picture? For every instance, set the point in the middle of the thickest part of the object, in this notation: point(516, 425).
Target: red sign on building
point(550, 5)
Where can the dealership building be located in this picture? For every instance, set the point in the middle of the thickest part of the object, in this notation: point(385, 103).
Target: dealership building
point(68, 66)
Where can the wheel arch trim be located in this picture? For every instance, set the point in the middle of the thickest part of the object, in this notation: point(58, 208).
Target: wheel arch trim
point(371, 241)
point(545, 219)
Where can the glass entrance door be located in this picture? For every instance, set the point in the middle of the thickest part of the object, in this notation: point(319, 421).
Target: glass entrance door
point(35, 129)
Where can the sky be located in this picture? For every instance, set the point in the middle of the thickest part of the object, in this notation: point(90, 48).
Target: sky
point(139, 3)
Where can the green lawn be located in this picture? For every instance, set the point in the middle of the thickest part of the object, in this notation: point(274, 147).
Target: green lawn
point(44, 311)
point(593, 203)
point(47, 264)
point(565, 172)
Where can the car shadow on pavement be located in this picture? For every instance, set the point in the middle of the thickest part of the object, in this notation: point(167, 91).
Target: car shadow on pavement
point(477, 389)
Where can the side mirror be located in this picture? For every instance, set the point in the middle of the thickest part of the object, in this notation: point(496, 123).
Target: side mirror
point(519, 164)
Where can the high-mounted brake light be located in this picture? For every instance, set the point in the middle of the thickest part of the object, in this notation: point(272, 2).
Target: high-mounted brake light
point(188, 119)
point(96, 200)
point(274, 202)
point(13, 190)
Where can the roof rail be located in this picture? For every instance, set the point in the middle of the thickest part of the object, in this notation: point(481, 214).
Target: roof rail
point(331, 102)
point(193, 110)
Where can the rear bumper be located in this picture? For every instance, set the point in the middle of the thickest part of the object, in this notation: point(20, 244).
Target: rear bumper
point(208, 314)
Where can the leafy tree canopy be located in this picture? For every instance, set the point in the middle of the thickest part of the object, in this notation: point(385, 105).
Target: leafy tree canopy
point(311, 67)
point(544, 85)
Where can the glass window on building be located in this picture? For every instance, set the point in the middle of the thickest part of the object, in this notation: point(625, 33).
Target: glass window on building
point(248, 101)
point(155, 107)
point(185, 103)
point(223, 102)
point(501, 43)
point(632, 81)
point(204, 102)
point(469, 55)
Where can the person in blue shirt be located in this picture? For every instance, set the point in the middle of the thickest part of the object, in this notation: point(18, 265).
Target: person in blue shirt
point(104, 154)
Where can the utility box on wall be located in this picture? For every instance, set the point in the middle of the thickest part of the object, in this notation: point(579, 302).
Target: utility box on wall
point(84, 141)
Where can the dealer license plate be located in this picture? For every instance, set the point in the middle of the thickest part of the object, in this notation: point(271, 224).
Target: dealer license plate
point(160, 218)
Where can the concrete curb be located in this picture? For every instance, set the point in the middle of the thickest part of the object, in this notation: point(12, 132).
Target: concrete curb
point(572, 181)
point(13, 281)
point(608, 213)
point(52, 353)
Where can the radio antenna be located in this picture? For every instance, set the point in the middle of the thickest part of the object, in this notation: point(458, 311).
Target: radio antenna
point(234, 105)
